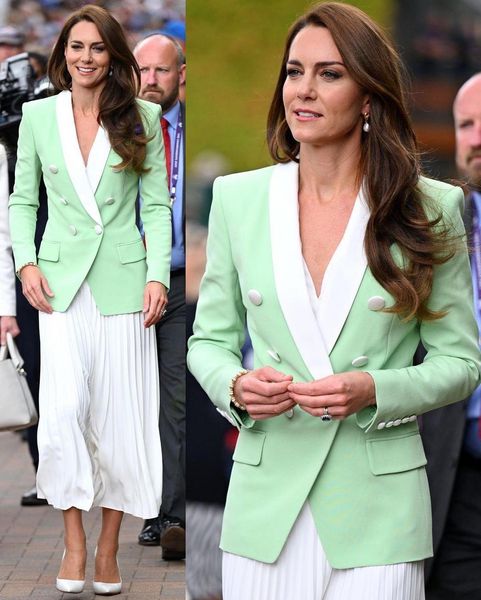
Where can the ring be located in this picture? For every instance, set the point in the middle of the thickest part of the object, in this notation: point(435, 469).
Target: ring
point(326, 416)
point(163, 312)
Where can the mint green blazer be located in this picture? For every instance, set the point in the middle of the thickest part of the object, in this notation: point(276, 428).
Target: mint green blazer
point(91, 232)
point(363, 477)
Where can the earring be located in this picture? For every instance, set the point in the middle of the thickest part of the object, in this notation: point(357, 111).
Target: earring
point(366, 127)
point(111, 70)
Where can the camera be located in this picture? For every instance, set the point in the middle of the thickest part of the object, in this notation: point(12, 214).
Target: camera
point(18, 85)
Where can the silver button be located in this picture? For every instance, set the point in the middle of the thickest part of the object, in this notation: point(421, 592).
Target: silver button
point(412, 418)
point(389, 423)
point(360, 361)
point(376, 303)
point(397, 422)
point(110, 200)
point(405, 420)
point(273, 354)
point(63, 201)
point(381, 425)
point(73, 229)
point(255, 297)
point(53, 169)
point(98, 229)
point(289, 413)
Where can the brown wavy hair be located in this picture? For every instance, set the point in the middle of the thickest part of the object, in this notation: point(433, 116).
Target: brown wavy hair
point(119, 112)
point(389, 166)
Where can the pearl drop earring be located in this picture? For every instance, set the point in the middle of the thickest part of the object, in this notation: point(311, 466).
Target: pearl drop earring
point(366, 127)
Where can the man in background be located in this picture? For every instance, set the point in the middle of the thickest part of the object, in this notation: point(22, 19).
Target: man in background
point(162, 67)
point(452, 435)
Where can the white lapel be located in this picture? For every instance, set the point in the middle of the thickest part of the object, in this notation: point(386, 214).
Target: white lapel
point(98, 158)
point(288, 269)
point(73, 157)
point(343, 275)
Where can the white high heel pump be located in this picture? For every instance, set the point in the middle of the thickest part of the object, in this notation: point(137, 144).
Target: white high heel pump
point(72, 586)
point(107, 589)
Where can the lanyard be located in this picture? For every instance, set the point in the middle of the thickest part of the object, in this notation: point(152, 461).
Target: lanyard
point(176, 156)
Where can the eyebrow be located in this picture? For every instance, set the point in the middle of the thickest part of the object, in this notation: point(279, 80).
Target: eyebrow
point(323, 63)
point(92, 44)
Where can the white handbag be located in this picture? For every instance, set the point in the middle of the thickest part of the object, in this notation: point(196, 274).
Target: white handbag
point(17, 409)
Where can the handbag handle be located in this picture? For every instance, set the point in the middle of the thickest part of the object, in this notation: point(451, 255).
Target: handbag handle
point(11, 350)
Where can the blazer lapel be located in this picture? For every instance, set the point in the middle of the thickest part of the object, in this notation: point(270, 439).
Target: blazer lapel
point(289, 272)
point(73, 157)
point(98, 158)
point(343, 275)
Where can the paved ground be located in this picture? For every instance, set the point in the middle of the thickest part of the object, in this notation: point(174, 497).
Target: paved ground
point(31, 544)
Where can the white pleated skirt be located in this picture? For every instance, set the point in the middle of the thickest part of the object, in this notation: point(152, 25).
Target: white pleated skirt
point(98, 435)
point(302, 572)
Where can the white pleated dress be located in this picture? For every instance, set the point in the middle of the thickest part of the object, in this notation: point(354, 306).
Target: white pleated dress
point(98, 434)
point(302, 571)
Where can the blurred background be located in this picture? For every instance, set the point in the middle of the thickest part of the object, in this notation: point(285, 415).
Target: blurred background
point(234, 55)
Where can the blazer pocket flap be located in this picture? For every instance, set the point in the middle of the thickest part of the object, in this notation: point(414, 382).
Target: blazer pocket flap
point(249, 447)
point(395, 454)
point(131, 252)
point(49, 251)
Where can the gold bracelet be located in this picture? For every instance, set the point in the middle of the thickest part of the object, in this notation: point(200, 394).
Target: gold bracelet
point(233, 400)
point(29, 264)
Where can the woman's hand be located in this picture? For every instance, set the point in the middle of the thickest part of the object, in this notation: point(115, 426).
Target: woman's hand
point(342, 394)
point(35, 287)
point(264, 392)
point(8, 325)
point(155, 301)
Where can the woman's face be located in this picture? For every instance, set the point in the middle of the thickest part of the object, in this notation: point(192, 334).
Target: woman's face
point(323, 104)
point(87, 58)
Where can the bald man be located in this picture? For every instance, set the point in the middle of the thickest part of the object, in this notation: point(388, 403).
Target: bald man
point(452, 435)
point(162, 68)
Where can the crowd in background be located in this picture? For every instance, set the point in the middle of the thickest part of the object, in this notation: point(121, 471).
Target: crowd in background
point(40, 21)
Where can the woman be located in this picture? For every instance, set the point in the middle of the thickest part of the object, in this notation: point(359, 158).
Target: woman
point(97, 288)
point(341, 258)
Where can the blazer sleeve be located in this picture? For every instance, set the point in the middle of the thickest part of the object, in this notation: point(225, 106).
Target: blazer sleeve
point(451, 368)
point(7, 276)
point(214, 355)
point(24, 200)
point(156, 211)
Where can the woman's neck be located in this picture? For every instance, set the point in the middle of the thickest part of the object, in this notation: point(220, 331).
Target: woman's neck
point(86, 101)
point(328, 172)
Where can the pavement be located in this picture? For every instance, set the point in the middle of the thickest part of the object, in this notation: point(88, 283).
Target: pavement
point(31, 543)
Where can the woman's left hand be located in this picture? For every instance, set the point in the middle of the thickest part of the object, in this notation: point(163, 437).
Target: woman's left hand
point(155, 301)
point(342, 394)
point(8, 325)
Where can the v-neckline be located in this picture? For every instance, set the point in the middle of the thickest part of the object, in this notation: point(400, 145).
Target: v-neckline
point(337, 249)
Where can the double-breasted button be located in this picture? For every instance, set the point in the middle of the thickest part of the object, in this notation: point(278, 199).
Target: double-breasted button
point(376, 303)
point(110, 200)
point(412, 418)
point(255, 297)
point(405, 420)
point(360, 361)
point(98, 229)
point(289, 413)
point(53, 169)
point(381, 425)
point(389, 424)
point(273, 354)
point(64, 201)
point(397, 422)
